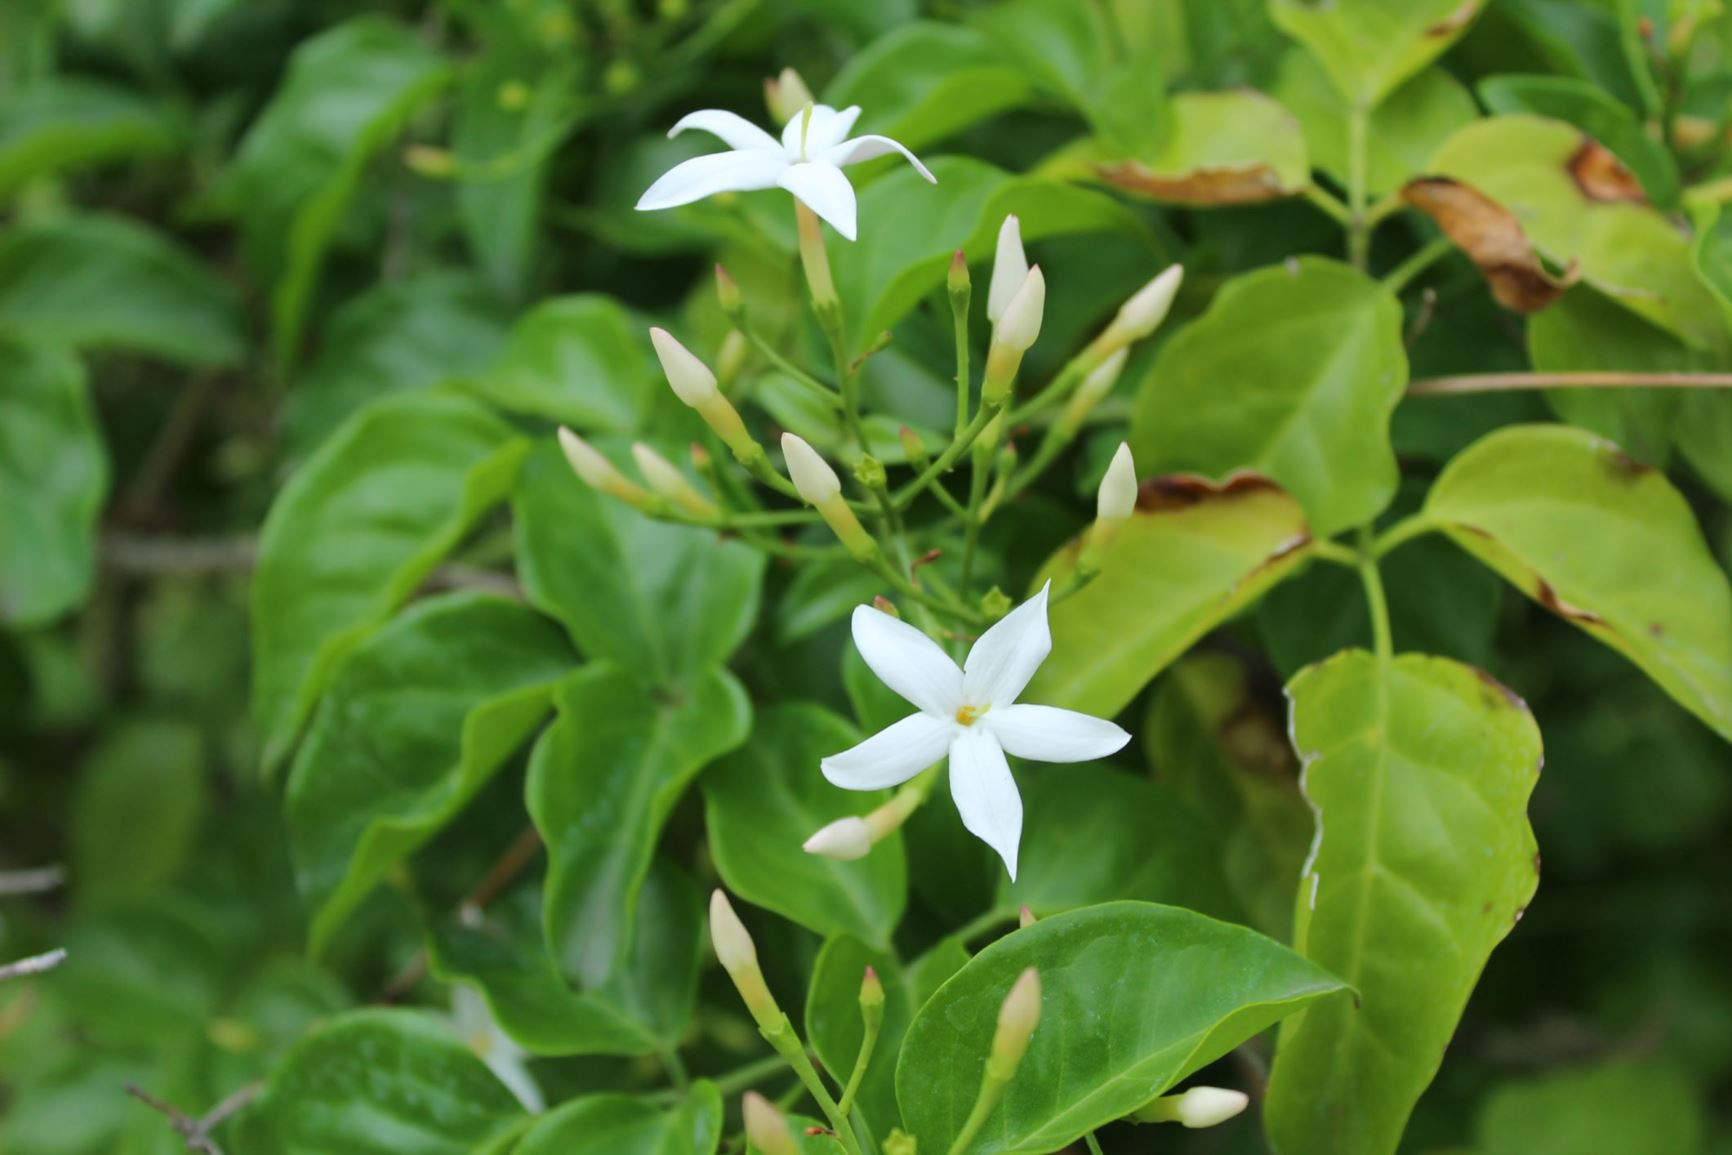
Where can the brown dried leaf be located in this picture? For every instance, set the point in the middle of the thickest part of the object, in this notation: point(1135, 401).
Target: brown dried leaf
point(1231, 185)
point(1490, 235)
point(1602, 176)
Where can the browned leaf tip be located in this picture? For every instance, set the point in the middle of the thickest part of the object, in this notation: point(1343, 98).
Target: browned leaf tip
point(1490, 235)
point(1456, 20)
point(1228, 185)
point(1183, 490)
point(1602, 176)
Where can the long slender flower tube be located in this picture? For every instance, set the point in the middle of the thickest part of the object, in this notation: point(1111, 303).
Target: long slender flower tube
point(970, 714)
point(807, 161)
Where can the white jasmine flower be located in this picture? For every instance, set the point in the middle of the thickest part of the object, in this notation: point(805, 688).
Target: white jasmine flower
point(971, 714)
point(1009, 268)
point(807, 161)
point(474, 1023)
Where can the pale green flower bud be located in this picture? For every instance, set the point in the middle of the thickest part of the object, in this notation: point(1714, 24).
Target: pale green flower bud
point(598, 472)
point(766, 1129)
point(1009, 269)
point(1017, 1019)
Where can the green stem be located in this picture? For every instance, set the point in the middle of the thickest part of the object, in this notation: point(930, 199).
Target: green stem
point(676, 1069)
point(1402, 531)
point(1330, 204)
point(1358, 225)
point(774, 357)
point(1399, 277)
point(1094, 1144)
point(1059, 388)
point(1375, 600)
point(991, 1090)
point(1332, 551)
point(731, 1083)
point(787, 1045)
point(862, 1058)
point(943, 463)
point(959, 322)
point(971, 530)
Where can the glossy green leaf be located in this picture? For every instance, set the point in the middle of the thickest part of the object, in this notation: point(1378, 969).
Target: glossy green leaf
point(1704, 430)
point(602, 781)
point(1419, 769)
point(375, 1081)
point(664, 602)
point(1594, 111)
point(1224, 752)
point(154, 767)
point(925, 81)
point(356, 531)
point(578, 360)
point(1191, 557)
point(417, 720)
point(1400, 135)
point(833, 1022)
point(1634, 1108)
point(764, 800)
point(104, 282)
point(1535, 502)
point(63, 123)
point(53, 477)
point(1370, 47)
point(1134, 997)
point(399, 336)
point(916, 228)
point(643, 1009)
point(1221, 148)
point(1293, 372)
point(622, 1125)
point(1573, 208)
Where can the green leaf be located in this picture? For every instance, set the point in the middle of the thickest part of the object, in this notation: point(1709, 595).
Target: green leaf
point(416, 721)
point(1536, 502)
point(1134, 997)
point(833, 1012)
point(1094, 834)
point(153, 768)
point(602, 781)
point(1400, 135)
point(764, 800)
point(376, 1081)
point(104, 282)
point(622, 1125)
point(397, 336)
point(1594, 111)
point(1225, 754)
point(1223, 148)
point(643, 1009)
point(1576, 204)
point(1293, 372)
point(1704, 430)
point(925, 81)
point(664, 602)
point(579, 360)
point(1419, 769)
point(62, 123)
point(1629, 1107)
point(53, 477)
point(1191, 557)
point(355, 532)
point(347, 92)
point(1370, 47)
point(915, 228)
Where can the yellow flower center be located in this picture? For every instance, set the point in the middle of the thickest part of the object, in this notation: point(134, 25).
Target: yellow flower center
point(969, 715)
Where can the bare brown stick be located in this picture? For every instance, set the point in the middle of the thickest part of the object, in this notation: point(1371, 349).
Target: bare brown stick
point(1504, 382)
point(34, 965)
point(35, 881)
point(197, 1132)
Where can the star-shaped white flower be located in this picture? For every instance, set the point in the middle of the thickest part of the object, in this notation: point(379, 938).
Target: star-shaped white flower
point(972, 714)
point(807, 161)
point(475, 1024)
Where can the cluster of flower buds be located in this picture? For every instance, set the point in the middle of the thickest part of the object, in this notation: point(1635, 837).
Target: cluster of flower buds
point(1016, 305)
point(667, 484)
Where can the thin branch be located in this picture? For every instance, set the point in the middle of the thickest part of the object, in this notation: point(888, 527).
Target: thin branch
point(1504, 382)
point(34, 965)
point(197, 1132)
point(35, 881)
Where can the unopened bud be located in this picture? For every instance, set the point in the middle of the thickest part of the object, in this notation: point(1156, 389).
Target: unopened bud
point(994, 604)
point(1196, 1108)
point(811, 474)
point(766, 1129)
point(1118, 492)
point(728, 292)
point(1143, 313)
point(690, 378)
point(786, 94)
point(1018, 325)
point(425, 160)
point(734, 949)
point(869, 471)
point(731, 358)
point(1009, 271)
point(1017, 1019)
point(957, 280)
point(900, 1142)
point(701, 460)
point(1093, 390)
point(1024, 917)
point(913, 448)
point(665, 479)
point(871, 993)
point(844, 840)
point(885, 606)
point(597, 471)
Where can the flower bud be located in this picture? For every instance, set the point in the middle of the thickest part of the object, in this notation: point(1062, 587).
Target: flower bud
point(869, 471)
point(812, 475)
point(597, 471)
point(1118, 492)
point(1017, 1019)
point(665, 479)
point(957, 280)
point(1018, 326)
point(786, 94)
point(871, 993)
point(1092, 391)
point(766, 1129)
point(727, 292)
point(691, 378)
point(1009, 270)
point(995, 603)
point(1143, 313)
point(739, 958)
point(731, 358)
point(844, 840)
point(1196, 1108)
point(885, 606)
point(1024, 917)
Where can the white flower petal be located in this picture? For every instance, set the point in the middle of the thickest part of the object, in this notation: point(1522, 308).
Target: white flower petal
point(1009, 268)
point(892, 756)
point(825, 191)
point(514, 1073)
point(1049, 734)
point(1007, 655)
point(985, 793)
point(704, 176)
point(734, 130)
point(908, 662)
point(830, 130)
point(871, 147)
